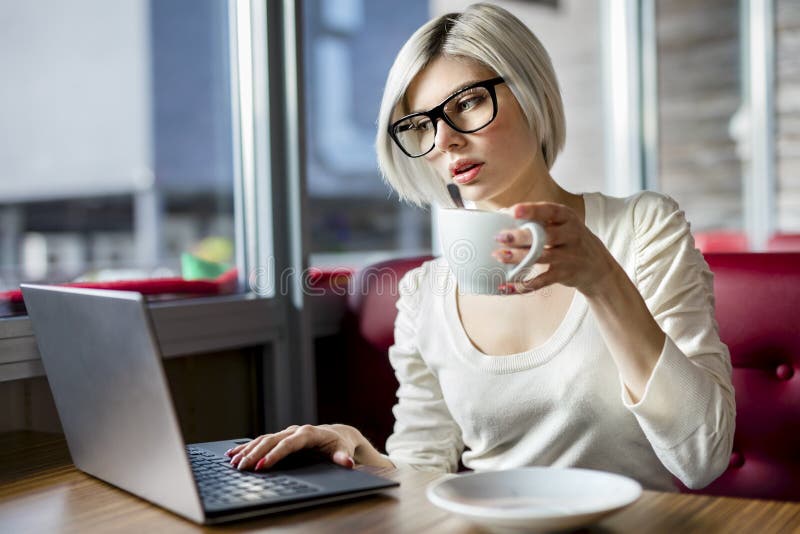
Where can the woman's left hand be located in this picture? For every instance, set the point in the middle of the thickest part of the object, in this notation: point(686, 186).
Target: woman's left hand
point(574, 255)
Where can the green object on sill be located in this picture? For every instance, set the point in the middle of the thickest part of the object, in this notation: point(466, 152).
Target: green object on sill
point(194, 268)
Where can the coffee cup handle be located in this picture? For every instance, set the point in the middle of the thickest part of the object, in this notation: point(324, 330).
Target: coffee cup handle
point(537, 246)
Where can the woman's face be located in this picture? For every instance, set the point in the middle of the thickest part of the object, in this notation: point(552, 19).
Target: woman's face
point(495, 166)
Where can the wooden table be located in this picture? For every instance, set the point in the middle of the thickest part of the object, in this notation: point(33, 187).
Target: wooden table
point(41, 491)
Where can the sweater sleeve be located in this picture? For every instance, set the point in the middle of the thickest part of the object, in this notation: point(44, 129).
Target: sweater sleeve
point(688, 407)
point(425, 435)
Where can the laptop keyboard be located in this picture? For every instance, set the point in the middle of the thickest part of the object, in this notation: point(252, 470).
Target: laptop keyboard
point(223, 486)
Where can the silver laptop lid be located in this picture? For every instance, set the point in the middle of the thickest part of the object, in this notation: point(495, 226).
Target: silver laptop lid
point(104, 369)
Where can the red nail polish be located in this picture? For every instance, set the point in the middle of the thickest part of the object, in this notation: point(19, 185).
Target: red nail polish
point(507, 254)
point(508, 289)
point(504, 237)
point(260, 464)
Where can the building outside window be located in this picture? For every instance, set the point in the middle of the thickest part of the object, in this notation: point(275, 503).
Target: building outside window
point(787, 119)
point(701, 123)
point(709, 56)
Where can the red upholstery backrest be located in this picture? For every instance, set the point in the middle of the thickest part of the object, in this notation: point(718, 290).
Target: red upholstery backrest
point(369, 332)
point(758, 311)
point(373, 297)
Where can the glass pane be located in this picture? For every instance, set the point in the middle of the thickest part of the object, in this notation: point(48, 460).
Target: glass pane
point(698, 47)
point(349, 47)
point(787, 110)
point(116, 140)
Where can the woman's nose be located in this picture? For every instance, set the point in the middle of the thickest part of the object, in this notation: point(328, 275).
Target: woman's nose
point(447, 138)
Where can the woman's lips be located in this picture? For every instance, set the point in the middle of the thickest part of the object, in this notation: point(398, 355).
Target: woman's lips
point(468, 175)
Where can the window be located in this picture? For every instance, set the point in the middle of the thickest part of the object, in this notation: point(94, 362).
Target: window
point(787, 108)
point(701, 123)
point(349, 46)
point(117, 146)
point(145, 127)
point(728, 120)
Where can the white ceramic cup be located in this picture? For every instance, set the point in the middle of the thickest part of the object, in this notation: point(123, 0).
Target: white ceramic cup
point(468, 239)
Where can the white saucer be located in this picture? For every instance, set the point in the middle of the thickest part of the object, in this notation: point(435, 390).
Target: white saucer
point(540, 498)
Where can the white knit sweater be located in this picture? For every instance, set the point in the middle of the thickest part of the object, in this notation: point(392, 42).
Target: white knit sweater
point(563, 403)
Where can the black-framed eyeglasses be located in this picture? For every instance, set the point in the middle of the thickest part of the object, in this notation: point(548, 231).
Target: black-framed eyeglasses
point(465, 111)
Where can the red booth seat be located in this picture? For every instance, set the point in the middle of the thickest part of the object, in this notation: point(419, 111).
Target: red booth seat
point(758, 311)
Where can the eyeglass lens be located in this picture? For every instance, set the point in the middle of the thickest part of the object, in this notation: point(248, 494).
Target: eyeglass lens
point(468, 111)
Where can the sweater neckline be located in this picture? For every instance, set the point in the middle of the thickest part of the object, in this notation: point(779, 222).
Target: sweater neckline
point(535, 356)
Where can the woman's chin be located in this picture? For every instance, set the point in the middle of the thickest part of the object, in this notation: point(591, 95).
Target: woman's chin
point(477, 193)
point(474, 191)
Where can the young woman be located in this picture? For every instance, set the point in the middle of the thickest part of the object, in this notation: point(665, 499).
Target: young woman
point(616, 364)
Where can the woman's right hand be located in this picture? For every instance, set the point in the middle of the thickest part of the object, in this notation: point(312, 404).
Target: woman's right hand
point(341, 443)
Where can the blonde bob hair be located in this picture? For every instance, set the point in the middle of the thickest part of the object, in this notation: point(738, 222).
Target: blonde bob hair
point(495, 38)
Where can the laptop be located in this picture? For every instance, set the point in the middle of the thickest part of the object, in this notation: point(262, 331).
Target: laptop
point(105, 371)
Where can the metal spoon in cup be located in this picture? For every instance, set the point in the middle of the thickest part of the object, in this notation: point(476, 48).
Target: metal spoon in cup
point(455, 194)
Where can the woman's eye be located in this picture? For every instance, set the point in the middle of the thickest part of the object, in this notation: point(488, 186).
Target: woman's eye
point(423, 125)
point(412, 126)
point(469, 103)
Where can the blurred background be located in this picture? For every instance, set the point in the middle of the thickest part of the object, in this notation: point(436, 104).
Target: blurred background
point(118, 153)
point(115, 138)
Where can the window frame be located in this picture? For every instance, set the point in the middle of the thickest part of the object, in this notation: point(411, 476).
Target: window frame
point(759, 176)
